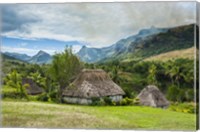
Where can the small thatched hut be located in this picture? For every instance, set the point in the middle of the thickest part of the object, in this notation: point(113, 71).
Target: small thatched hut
point(152, 96)
point(33, 88)
point(92, 83)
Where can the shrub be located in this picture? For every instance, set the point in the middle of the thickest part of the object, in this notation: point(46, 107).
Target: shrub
point(123, 102)
point(95, 101)
point(190, 95)
point(126, 101)
point(13, 93)
point(183, 107)
point(43, 97)
point(107, 100)
point(136, 101)
point(172, 93)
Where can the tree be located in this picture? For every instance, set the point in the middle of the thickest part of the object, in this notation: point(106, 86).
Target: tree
point(175, 70)
point(64, 68)
point(115, 75)
point(36, 77)
point(172, 93)
point(152, 75)
point(14, 80)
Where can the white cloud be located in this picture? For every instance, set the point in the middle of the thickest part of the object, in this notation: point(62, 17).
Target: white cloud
point(76, 48)
point(100, 24)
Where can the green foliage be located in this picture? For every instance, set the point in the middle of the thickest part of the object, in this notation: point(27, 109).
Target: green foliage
point(96, 101)
point(107, 100)
point(43, 97)
point(129, 92)
point(126, 101)
point(183, 107)
point(190, 95)
point(136, 101)
point(172, 93)
point(37, 78)
point(64, 67)
point(10, 92)
point(14, 80)
point(152, 75)
point(115, 75)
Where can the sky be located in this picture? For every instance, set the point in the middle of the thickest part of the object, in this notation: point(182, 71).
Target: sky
point(28, 28)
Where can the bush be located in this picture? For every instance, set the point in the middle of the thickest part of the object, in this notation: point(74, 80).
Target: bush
point(183, 107)
point(12, 93)
point(126, 101)
point(107, 100)
point(123, 102)
point(172, 93)
point(136, 101)
point(43, 97)
point(95, 101)
point(190, 95)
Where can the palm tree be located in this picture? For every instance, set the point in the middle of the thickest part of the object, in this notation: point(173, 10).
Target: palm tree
point(115, 75)
point(152, 75)
point(14, 80)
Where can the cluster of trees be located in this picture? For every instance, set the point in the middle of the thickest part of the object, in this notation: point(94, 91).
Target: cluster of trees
point(53, 78)
point(175, 78)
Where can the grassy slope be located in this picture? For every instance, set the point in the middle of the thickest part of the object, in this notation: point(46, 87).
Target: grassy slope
point(38, 114)
point(185, 53)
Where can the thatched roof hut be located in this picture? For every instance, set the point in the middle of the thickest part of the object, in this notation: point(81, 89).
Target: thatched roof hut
point(152, 96)
point(92, 83)
point(33, 88)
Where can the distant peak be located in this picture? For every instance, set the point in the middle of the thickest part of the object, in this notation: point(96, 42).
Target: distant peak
point(84, 46)
point(153, 27)
point(41, 51)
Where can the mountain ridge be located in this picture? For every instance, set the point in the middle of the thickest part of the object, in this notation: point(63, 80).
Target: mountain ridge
point(41, 57)
point(146, 43)
point(91, 55)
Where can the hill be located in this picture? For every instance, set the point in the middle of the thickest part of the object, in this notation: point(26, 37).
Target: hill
point(6, 57)
point(184, 53)
point(40, 58)
point(18, 56)
point(146, 43)
point(91, 55)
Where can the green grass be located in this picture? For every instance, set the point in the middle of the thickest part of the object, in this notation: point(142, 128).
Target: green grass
point(48, 115)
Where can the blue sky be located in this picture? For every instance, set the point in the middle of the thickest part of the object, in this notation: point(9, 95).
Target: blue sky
point(31, 47)
point(28, 28)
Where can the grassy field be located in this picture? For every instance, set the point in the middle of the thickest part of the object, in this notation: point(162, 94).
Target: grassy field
point(38, 114)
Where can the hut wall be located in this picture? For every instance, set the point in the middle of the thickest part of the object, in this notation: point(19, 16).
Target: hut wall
point(116, 98)
point(75, 100)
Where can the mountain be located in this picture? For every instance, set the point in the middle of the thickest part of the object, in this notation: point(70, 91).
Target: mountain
point(6, 57)
point(22, 57)
point(146, 43)
point(41, 58)
point(91, 55)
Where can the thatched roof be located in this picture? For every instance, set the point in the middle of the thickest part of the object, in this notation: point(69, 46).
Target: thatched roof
point(34, 88)
point(92, 83)
point(152, 96)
